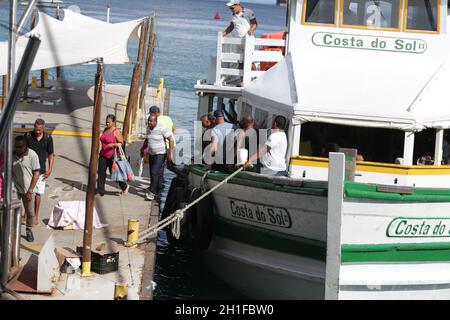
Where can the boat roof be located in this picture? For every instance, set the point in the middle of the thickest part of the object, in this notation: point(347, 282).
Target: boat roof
point(360, 87)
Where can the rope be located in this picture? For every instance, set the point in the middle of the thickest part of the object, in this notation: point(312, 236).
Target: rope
point(176, 217)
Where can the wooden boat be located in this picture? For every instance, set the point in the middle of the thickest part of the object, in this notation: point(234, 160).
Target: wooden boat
point(369, 76)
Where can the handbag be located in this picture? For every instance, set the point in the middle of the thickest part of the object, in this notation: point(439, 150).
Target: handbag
point(121, 168)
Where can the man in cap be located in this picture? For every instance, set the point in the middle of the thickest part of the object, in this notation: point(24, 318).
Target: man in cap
point(243, 21)
point(222, 140)
point(162, 119)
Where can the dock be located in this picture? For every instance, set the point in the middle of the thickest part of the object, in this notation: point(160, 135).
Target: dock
point(67, 108)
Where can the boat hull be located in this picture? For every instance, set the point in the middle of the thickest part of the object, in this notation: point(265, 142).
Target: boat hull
point(392, 246)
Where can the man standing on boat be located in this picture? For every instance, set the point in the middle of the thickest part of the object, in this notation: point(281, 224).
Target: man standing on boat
point(222, 142)
point(42, 143)
point(273, 157)
point(243, 21)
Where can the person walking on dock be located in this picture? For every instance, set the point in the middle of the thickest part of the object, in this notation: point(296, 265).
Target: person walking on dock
point(156, 144)
point(42, 143)
point(110, 139)
point(168, 123)
point(26, 172)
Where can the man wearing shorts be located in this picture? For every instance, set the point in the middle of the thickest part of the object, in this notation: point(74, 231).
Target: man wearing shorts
point(25, 170)
point(42, 143)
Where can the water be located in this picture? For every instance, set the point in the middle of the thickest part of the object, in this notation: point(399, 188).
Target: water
point(186, 38)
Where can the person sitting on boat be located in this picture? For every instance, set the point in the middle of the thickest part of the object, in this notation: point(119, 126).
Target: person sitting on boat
point(207, 125)
point(273, 157)
point(222, 140)
point(247, 137)
point(425, 160)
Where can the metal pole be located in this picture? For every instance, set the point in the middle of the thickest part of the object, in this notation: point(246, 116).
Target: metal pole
point(93, 166)
point(6, 118)
point(28, 10)
point(7, 196)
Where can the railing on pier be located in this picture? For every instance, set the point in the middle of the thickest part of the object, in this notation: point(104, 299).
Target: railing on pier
point(239, 57)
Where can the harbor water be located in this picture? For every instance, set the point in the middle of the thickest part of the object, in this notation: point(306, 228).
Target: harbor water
point(186, 38)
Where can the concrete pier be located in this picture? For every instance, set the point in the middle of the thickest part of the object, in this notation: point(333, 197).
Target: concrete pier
point(67, 109)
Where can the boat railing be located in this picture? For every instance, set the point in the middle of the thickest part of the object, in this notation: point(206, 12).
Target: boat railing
point(239, 58)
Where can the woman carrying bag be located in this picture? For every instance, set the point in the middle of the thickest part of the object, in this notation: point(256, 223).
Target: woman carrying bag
point(111, 140)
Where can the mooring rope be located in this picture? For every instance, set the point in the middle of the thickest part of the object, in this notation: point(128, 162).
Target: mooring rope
point(175, 218)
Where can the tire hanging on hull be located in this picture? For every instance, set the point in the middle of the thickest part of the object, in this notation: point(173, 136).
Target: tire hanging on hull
point(198, 222)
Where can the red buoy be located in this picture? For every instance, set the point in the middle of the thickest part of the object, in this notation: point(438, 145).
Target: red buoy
point(217, 16)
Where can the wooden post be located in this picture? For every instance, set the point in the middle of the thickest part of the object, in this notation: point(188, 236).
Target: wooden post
point(148, 62)
point(4, 90)
point(33, 24)
point(93, 166)
point(135, 81)
point(42, 78)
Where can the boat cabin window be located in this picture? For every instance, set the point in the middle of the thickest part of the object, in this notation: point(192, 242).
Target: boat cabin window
point(390, 15)
point(319, 11)
point(422, 15)
point(371, 13)
point(424, 146)
point(373, 144)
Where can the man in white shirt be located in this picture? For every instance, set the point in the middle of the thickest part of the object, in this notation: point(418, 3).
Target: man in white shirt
point(273, 157)
point(243, 21)
point(156, 143)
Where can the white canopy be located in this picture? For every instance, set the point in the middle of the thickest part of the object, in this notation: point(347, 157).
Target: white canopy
point(358, 87)
point(75, 40)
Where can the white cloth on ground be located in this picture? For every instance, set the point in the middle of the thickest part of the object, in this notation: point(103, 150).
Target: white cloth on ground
point(67, 213)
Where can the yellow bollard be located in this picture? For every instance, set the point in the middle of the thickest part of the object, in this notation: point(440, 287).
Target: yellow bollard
point(133, 231)
point(86, 269)
point(160, 88)
point(121, 291)
point(33, 82)
point(45, 74)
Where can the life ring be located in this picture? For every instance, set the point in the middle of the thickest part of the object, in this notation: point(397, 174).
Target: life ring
point(200, 220)
point(176, 199)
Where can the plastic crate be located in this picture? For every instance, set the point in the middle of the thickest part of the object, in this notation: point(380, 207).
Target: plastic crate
point(103, 263)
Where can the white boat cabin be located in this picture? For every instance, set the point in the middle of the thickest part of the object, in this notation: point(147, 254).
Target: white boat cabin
point(371, 75)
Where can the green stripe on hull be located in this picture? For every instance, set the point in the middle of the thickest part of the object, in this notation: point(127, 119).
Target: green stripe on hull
point(381, 253)
point(270, 240)
point(315, 188)
point(369, 191)
point(396, 252)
